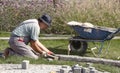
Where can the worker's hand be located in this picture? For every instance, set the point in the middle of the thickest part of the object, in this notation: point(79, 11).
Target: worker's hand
point(51, 53)
point(45, 54)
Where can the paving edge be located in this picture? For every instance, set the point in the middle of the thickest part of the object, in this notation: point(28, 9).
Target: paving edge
point(89, 59)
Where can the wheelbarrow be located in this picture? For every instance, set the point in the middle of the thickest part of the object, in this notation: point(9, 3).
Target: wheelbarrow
point(93, 34)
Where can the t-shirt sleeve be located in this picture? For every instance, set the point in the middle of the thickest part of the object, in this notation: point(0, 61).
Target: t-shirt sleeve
point(35, 33)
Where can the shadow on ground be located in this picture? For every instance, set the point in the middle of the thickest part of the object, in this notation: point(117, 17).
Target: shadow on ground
point(60, 50)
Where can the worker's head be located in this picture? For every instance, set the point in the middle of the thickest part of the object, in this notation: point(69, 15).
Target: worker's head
point(45, 21)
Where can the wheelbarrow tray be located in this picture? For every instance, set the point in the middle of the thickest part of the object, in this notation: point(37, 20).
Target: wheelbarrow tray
point(96, 33)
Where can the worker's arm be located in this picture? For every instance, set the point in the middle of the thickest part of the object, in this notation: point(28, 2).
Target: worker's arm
point(35, 46)
point(44, 48)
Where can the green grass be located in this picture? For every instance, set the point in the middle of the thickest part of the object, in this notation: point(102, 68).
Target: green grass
point(60, 47)
point(113, 51)
point(4, 34)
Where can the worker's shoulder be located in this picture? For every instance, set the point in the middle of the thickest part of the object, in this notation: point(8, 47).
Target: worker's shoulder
point(30, 21)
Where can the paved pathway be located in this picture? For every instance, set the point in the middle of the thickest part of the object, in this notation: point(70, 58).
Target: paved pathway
point(16, 68)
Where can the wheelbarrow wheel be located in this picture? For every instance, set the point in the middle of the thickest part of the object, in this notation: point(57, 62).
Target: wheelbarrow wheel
point(78, 46)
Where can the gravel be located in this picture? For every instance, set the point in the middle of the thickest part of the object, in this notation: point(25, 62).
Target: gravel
point(41, 68)
point(17, 68)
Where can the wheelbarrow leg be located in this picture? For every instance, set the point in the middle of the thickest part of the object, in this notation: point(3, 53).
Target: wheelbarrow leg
point(109, 43)
point(106, 51)
point(99, 49)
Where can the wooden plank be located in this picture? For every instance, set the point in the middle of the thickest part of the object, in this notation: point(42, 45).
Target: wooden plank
point(117, 37)
point(42, 38)
point(52, 38)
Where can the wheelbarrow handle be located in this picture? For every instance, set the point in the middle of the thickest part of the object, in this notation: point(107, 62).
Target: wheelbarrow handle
point(117, 31)
point(112, 34)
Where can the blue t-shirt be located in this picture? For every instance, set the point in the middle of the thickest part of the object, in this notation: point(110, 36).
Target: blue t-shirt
point(28, 28)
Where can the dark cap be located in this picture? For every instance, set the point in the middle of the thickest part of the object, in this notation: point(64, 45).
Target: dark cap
point(46, 19)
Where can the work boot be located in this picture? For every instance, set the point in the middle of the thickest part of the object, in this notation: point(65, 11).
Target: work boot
point(6, 52)
point(2, 55)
